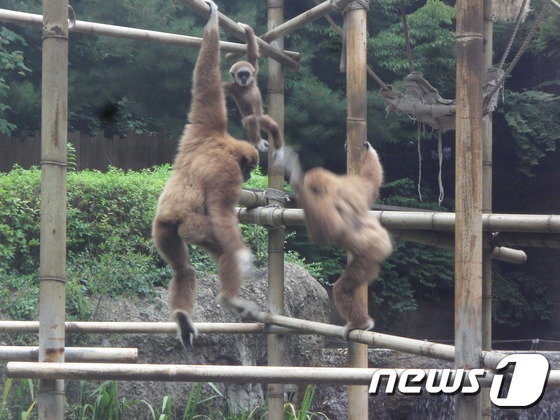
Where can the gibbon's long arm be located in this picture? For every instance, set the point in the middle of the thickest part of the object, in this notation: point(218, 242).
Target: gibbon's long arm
point(208, 105)
point(252, 48)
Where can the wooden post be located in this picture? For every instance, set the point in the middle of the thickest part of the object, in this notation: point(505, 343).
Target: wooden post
point(487, 206)
point(468, 199)
point(52, 269)
point(356, 126)
point(276, 343)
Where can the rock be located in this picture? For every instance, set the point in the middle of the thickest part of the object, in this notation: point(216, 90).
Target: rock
point(305, 298)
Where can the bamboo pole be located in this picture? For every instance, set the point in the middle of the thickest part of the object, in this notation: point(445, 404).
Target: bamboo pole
point(203, 373)
point(355, 19)
point(52, 254)
point(145, 328)
point(537, 240)
point(276, 343)
point(468, 198)
point(201, 8)
point(447, 241)
point(71, 354)
point(487, 255)
point(100, 29)
point(303, 19)
point(555, 4)
point(437, 221)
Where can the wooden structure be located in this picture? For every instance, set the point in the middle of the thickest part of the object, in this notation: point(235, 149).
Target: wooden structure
point(473, 217)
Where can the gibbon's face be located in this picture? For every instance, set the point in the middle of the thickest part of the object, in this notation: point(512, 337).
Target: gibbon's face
point(243, 76)
point(242, 73)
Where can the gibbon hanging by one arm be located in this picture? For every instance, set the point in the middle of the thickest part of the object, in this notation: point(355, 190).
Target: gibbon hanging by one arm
point(197, 205)
point(336, 211)
point(247, 96)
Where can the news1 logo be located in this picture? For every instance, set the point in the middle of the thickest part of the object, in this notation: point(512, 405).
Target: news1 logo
point(521, 388)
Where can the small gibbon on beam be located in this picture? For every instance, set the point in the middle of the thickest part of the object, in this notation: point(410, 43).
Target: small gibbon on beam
point(336, 211)
point(247, 95)
point(197, 205)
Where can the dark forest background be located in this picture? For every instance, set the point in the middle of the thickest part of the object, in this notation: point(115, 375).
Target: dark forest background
point(129, 88)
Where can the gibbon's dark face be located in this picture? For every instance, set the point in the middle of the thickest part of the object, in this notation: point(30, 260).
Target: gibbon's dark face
point(243, 77)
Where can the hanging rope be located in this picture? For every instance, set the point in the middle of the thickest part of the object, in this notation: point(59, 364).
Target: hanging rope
point(440, 162)
point(523, 48)
point(419, 187)
point(407, 40)
point(514, 33)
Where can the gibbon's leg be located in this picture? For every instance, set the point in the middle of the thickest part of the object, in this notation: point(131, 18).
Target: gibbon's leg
point(268, 124)
point(359, 271)
point(183, 285)
point(235, 260)
point(251, 124)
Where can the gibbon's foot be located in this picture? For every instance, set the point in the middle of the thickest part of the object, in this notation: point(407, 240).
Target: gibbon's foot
point(289, 160)
point(350, 327)
point(241, 306)
point(186, 331)
point(245, 260)
point(263, 145)
point(211, 4)
point(278, 156)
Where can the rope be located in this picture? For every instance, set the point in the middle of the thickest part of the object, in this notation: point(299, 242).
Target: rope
point(440, 162)
point(419, 187)
point(514, 33)
point(522, 50)
point(357, 4)
point(407, 40)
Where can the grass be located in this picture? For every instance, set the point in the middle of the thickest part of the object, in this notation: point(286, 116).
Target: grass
point(103, 402)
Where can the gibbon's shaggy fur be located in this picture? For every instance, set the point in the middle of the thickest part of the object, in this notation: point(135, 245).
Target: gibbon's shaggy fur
point(197, 205)
point(336, 211)
point(247, 96)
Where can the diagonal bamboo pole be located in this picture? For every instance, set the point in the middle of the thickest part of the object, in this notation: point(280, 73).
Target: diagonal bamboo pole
point(101, 29)
point(200, 7)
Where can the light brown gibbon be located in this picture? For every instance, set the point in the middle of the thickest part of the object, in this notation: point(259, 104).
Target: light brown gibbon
point(336, 211)
point(246, 94)
point(197, 205)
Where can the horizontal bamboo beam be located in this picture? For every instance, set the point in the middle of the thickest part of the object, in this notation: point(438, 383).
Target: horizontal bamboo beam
point(447, 241)
point(71, 354)
point(537, 240)
point(100, 29)
point(146, 328)
point(202, 8)
point(413, 220)
point(205, 373)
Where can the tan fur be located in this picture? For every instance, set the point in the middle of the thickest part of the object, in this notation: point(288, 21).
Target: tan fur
point(197, 205)
point(336, 211)
point(248, 97)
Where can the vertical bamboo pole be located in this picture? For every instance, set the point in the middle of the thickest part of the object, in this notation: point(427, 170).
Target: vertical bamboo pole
point(356, 125)
point(276, 342)
point(488, 45)
point(468, 198)
point(53, 202)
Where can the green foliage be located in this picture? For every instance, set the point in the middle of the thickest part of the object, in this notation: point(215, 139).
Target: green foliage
point(432, 43)
point(19, 402)
point(11, 64)
point(304, 412)
point(531, 132)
